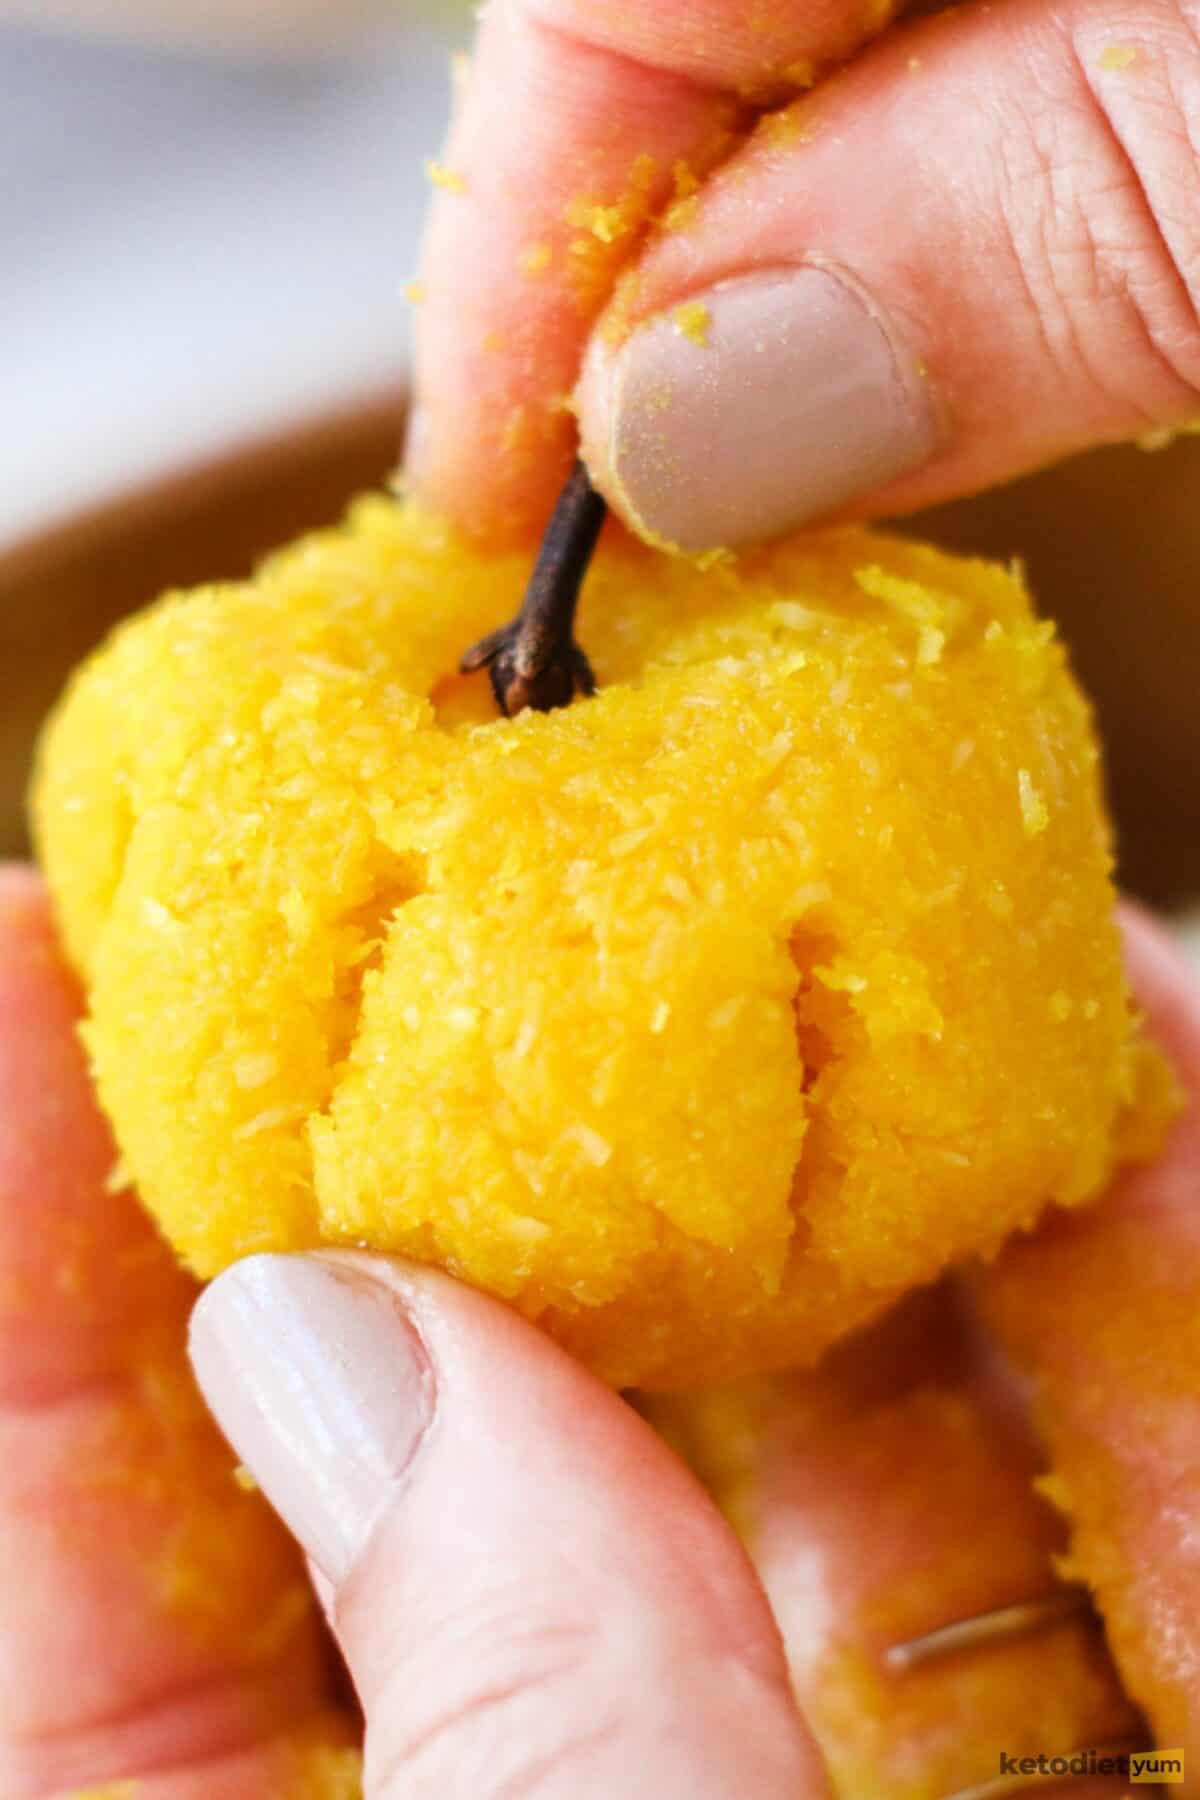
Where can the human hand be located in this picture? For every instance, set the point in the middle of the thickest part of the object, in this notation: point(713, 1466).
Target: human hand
point(973, 250)
point(531, 1591)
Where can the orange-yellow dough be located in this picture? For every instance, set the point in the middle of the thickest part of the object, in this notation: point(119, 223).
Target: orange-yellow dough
point(698, 1020)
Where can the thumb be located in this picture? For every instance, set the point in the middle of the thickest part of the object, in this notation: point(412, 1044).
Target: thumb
point(976, 250)
point(532, 1594)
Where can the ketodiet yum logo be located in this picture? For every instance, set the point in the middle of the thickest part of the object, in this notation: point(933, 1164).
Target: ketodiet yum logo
point(1162, 1768)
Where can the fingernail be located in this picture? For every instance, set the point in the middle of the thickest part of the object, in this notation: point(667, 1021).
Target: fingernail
point(322, 1386)
point(765, 402)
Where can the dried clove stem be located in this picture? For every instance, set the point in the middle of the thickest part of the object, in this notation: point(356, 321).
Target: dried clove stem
point(535, 661)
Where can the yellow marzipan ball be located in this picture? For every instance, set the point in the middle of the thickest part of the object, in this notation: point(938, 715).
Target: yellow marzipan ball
point(698, 1020)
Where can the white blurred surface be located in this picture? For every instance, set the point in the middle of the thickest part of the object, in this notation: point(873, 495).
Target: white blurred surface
point(232, 25)
point(195, 251)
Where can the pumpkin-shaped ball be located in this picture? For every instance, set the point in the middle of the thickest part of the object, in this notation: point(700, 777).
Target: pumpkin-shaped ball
point(698, 1020)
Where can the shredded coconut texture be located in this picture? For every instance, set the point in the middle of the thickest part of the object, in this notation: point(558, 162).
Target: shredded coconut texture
point(697, 1021)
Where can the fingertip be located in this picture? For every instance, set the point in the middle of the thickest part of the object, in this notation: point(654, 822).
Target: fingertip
point(51, 1134)
point(82, 1272)
point(319, 1381)
point(1158, 963)
point(488, 1519)
point(24, 906)
point(1165, 986)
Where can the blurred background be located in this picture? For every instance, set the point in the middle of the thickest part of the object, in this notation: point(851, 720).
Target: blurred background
point(208, 213)
point(205, 229)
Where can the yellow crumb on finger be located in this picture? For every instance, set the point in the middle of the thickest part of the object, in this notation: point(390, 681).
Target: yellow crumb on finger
point(444, 177)
point(692, 320)
point(1119, 56)
point(536, 258)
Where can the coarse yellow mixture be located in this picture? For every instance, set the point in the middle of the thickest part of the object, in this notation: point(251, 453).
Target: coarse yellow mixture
point(698, 1020)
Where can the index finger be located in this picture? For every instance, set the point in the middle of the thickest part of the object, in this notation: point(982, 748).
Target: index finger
point(576, 126)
